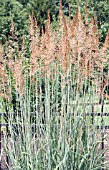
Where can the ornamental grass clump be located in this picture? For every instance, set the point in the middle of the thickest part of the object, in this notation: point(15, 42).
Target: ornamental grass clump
point(48, 86)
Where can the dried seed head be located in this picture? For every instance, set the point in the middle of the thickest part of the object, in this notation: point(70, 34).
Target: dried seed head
point(12, 27)
point(86, 13)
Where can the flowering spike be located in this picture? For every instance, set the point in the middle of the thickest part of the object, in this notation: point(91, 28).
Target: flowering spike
point(61, 13)
point(86, 12)
point(12, 27)
point(60, 5)
point(106, 43)
point(31, 30)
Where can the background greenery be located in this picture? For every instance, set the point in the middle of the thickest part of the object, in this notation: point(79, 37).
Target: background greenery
point(19, 11)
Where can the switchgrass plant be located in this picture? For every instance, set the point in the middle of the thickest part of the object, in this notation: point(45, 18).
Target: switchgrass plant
point(56, 140)
point(46, 92)
point(53, 139)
